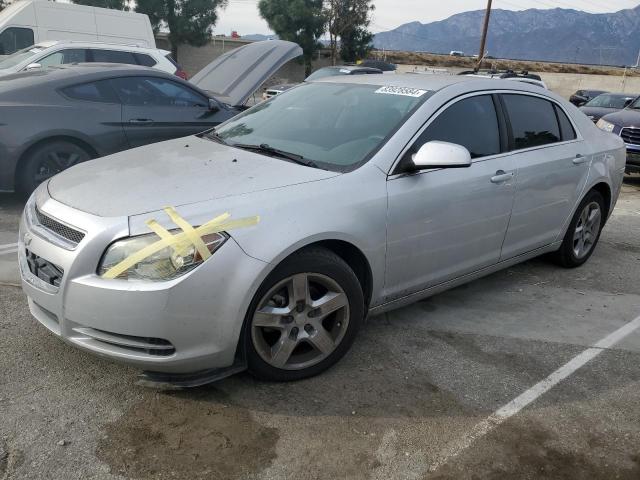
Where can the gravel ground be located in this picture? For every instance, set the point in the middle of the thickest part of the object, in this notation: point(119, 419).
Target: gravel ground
point(417, 381)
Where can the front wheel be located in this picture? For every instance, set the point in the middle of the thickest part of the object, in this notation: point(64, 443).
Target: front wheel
point(583, 233)
point(304, 317)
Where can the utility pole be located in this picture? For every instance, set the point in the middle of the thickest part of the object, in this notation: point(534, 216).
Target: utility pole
point(485, 29)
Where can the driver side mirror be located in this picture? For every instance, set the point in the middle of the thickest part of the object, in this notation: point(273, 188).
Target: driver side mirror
point(437, 154)
point(213, 105)
point(33, 66)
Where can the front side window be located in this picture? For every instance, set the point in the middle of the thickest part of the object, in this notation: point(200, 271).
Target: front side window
point(337, 126)
point(533, 121)
point(15, 38)
point(113, 56)
point(156, 92)
point(471, 122)
point(72, 55)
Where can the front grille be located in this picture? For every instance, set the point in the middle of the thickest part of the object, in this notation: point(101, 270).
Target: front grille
point(631, 135)
point(44, 269)
point(58, 228)
point(156, 347)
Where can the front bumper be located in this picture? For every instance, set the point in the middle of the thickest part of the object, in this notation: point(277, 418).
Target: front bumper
point(185, 325)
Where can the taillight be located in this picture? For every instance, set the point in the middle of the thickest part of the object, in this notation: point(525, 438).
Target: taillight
point(182, 74)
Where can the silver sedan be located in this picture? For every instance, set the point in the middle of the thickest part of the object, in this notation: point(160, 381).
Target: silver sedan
point(265, 243)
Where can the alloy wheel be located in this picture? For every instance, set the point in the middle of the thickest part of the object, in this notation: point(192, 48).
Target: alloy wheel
point(587, 230)
point(300, 321)
point(54, 161)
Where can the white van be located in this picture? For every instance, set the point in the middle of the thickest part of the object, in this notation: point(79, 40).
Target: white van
point(26, 22)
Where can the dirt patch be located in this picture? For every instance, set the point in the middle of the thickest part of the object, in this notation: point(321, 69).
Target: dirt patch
point(525, 449)
point(186, 436)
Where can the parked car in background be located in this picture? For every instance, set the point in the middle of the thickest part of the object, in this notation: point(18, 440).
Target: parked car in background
point(56, 117)
point(583, 96)
point(321, 73)
point(24, 23)
point(456, 53)
point(607, 103)
point(55, 52)
point(371, 192)
point(626, 124)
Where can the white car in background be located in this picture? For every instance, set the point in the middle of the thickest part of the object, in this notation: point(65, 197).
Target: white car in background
point(51, 53)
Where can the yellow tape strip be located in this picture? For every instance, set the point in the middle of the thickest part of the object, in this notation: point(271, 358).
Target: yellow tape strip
point(178, 241)
point(186, 227)
point(165, 234)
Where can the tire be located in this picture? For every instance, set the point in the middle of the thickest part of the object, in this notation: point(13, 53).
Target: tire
point(287, 338)
point(46, 160)
point(592, 210)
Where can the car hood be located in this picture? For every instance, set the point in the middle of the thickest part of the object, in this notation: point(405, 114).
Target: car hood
point(234, 76)
point(597, 112)
point(173, 173)
point(624, 118)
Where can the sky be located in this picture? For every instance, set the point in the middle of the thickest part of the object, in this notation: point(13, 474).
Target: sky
point(242, 15)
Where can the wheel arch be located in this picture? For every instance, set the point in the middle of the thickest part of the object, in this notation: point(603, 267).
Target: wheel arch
point(52, 138)
point(603, 189)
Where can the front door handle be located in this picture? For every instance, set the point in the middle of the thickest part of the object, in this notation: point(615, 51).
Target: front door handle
point(501, 176)
point(580, 159)
point(138, 121)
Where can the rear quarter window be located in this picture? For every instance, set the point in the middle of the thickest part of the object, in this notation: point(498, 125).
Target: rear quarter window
point(566, 128)
point(99, 91)
point(145, 60)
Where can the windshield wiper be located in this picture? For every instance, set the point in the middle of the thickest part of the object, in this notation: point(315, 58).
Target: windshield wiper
point(264, 148)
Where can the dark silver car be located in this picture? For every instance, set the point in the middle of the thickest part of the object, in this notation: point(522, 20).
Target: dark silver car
point(54, 118)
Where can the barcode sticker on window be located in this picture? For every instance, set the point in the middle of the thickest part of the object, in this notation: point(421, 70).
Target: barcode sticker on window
point(406, 91)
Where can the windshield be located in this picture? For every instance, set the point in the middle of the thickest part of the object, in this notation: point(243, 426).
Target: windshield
point(609, 101)
point(18, 57)
point(335, 126)
point(636, 104)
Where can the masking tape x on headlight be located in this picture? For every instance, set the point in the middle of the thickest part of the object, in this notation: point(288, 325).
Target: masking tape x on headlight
point(190, 236)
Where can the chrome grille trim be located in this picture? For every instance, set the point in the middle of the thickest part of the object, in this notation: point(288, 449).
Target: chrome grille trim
point(630, 135)
point(68, 233)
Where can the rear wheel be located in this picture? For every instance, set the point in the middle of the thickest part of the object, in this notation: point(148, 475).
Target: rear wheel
point(48, 159)
point(304, 317)
point(583, 232)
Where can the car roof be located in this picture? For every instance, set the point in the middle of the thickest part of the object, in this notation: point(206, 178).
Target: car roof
point(81, 72)
point(437, 82)
point(88, 44)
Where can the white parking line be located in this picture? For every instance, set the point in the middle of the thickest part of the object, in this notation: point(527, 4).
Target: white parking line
point(7, 252)
point(8, 245)
point(540, 388)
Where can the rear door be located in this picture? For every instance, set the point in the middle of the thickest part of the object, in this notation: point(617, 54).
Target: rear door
point(444, 223)
point(553, 165)
point(157, 109)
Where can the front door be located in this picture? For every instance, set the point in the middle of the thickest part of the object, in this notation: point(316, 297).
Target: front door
point(157, 109)
point(448, 222)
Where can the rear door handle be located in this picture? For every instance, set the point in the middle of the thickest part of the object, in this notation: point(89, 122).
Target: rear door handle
point(580, 159)
point(501, 176)
point(141, 121)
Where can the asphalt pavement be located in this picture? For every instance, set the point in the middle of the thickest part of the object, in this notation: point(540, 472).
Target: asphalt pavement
point(533, 372)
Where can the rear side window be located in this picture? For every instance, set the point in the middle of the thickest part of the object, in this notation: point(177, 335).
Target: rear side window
point(144, 60)
point(533, 121)
point(113, 56)
point(15, 38)
point(471, 122)
point(566, 129)
point(99, 91)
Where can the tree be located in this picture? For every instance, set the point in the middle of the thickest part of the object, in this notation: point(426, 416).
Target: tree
point(355, 44)
point(188, 21)
point(299, 21)
point(3, 3)
point(113, 4)
point(347, 19)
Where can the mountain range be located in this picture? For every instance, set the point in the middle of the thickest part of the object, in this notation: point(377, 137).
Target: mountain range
point(559, 35)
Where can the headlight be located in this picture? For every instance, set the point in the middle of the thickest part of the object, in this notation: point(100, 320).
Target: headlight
point(163, 265)
point(606, 126)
